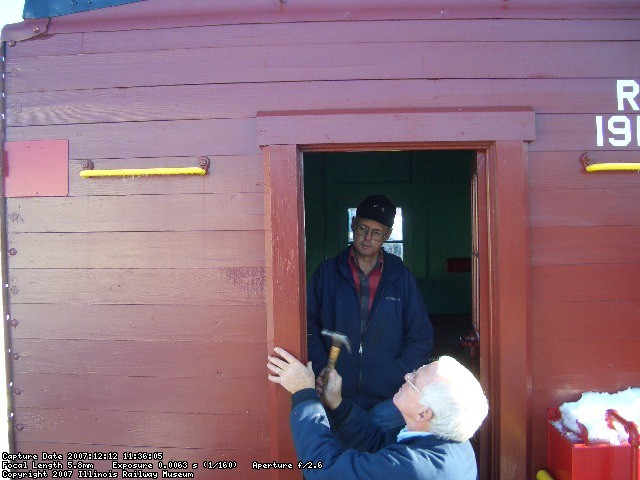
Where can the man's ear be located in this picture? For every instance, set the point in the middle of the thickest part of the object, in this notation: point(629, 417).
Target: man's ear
point(386, 237)
point(425, 415)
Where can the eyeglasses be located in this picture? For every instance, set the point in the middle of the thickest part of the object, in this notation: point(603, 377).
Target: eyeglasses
point(408, 378)
point(363, 231)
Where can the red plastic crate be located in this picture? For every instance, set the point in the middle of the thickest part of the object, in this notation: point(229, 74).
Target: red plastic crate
point(579, 461)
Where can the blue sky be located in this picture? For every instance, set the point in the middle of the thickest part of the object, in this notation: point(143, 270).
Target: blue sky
point(10, 11)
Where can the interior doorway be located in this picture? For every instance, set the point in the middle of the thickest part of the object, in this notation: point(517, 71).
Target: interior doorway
point(434, 193)
point(432, 190)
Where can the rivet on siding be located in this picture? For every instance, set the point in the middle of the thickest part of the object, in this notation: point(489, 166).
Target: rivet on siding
point(586, 159)
point(282, 2)
point(87, 165)
point(14, 290)
point(36, 29)
point(14, 322)
point(13, 251)
point(17, 391)
point(204, 163)
point(20, 426)
point(16, 356)
point(11, 43)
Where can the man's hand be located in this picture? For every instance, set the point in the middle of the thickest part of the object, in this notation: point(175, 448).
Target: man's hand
point(320, 381)
point(332, 392)
point(289, 372)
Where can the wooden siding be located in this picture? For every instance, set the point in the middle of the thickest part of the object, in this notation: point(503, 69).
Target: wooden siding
point(139, 303)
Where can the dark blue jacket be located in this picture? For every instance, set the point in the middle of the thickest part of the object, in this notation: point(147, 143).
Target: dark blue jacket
point(398, 337)
point(372, 453)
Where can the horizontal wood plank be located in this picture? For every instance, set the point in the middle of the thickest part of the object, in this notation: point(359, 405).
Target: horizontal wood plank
point(305, 33)
point(222, 323)
point(563, 171)
point(553, 283)
point(183, 138)
point(576, 133)
point(200, 360)
point(149, 429)
point(243, 456)
point(220, 286)
point(227, 174)
point(585, 245)
point(216, 395)
point(165, 14)
point(585, 320)
point(568, 388)
point(137, 213)
point(406, 126)
point(243, 100)
point(567, 356)
point(199, 250)
point(348, 61)
point(585, 208)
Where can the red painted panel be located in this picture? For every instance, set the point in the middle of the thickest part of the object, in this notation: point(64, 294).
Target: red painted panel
point(482, 30)
point(348, 61)
point(197, 360)
point(168, 13)
point(36, 168)
point(141, 393)
point(596, 357)
point(153, 429)
point(586, 207)
point(586, 282)
point(238, 100)
point(574, 245)
point(584, 320)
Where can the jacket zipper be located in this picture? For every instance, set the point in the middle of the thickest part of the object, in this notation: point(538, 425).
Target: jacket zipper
point(362, 341)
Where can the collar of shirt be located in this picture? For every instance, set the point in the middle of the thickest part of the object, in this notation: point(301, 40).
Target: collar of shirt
point(404, 434)
point(353, 254)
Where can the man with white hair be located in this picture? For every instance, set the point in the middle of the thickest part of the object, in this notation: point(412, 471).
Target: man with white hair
point(442, 404)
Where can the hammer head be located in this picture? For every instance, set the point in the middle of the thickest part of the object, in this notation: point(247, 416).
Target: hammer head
point(338, 339)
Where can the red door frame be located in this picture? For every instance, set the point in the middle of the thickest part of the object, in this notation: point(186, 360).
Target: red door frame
point(499, 136)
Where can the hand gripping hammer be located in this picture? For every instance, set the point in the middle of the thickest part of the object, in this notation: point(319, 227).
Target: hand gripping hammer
point(337, 341)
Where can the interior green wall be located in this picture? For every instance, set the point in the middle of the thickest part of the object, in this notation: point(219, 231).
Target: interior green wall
point(433, 189)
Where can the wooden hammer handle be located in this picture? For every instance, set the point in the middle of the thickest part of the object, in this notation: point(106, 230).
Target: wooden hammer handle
point(331, 364)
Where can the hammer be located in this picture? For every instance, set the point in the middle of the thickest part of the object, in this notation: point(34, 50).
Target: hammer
point(337, 341)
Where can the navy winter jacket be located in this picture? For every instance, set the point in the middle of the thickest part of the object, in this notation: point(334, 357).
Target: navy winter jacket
point(373, 454)
point(397, 339)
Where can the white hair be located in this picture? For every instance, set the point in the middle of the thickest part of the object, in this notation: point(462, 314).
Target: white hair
point(457, 401)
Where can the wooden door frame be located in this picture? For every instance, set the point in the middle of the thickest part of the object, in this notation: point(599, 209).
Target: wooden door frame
point(500, 137)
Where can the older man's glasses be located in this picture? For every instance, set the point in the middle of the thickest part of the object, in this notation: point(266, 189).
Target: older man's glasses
point(364, 231)
point(410, 378)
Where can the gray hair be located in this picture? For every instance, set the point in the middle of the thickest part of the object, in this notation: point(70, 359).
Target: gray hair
point(458, 403)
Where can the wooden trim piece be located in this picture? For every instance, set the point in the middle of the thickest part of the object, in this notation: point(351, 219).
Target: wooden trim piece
point(286, 299)
point(510, 285)
point(412, 125)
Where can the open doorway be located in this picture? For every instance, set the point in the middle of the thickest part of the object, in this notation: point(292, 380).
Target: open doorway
point(432, 192)
point(498, 139)
point(433, 232)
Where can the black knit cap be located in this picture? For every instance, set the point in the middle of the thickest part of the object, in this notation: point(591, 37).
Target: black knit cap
point(377, 208)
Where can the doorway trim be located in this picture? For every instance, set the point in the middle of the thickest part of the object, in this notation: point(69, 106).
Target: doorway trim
point(499, 136)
